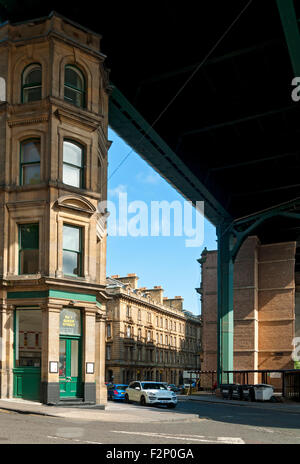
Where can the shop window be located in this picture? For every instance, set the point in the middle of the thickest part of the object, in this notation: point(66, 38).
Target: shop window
point(28, 338)
point(74, 86)
point(72, 250)
point(28, 248)
point(30, 157)
point(73, 164)
point(32, 83)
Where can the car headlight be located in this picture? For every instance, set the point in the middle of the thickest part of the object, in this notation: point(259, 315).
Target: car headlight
point(173, 394)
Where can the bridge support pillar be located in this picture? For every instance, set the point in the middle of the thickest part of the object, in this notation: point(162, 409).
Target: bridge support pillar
point(225, 303)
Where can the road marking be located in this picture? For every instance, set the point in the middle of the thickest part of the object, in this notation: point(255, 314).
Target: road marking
point(200, 438)
point(262, 429)
point(75, 439)
point(6, 412)
point(231, 440)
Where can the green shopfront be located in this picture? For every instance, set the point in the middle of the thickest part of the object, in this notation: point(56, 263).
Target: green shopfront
point(57, 346)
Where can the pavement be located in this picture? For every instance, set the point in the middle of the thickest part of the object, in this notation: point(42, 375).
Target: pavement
point(135, 413)
point(114, 412)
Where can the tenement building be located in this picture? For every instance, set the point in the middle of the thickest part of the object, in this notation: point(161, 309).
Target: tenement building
point(53, 165)
point(266, 307)
point(148, 337)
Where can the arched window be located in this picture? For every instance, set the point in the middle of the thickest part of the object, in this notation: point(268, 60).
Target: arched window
point(32, 83)
point(74, 86)
point(30, 155)
point(73, 164)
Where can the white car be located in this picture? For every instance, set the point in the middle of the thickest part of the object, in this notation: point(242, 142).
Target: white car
point(150, 393)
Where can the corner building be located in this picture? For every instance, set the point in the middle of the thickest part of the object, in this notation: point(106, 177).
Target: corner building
point(53, 145)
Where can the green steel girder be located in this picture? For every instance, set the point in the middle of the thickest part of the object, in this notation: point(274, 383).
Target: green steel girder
point(291, 30)
point(252, 222)
point(129, 124)
point(230, 239)
point(225, 303)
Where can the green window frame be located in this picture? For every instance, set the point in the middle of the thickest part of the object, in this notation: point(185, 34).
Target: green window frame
point(30, 162)
point(74, 86)
point(28, 238)
point(31, 85)
point(72, 250)
point(73, 163)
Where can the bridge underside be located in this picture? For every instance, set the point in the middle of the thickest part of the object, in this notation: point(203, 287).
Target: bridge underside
point(214, 117)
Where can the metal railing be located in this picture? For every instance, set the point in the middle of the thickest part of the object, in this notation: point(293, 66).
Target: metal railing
point(285, 381)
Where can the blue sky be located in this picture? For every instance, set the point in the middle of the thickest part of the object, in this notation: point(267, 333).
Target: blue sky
point(159, 260)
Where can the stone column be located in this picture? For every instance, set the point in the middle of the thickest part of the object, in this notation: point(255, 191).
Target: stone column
point(89, 355)
point(101, 391)
point(50, 352)
point(6, 350)
point(59, 270)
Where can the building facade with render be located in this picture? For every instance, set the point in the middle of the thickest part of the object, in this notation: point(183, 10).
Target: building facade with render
point(148, 336)
point(53, 168)
point(266, 307)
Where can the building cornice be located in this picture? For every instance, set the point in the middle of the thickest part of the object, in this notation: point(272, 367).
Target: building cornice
point(166, 310)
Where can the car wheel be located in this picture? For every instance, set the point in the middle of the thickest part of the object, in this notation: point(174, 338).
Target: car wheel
point(143, 401)
point(127, 399)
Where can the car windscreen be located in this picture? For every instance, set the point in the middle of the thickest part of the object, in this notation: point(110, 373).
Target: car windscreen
point(121, 387)
point(153, 386)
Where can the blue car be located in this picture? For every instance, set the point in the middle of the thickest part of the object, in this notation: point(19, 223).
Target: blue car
point(116, 392)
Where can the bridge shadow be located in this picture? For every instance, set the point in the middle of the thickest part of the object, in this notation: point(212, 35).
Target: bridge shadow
point(237, 414)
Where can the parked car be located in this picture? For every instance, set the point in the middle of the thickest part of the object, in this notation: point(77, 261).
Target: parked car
point(150, 393)
point(116, 392)
point(173, 388)
point(188, 385)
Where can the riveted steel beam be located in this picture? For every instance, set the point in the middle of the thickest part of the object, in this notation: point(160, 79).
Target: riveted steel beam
point(291, 31)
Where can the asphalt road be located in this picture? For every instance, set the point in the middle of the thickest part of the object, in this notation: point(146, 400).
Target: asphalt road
point(215, 424)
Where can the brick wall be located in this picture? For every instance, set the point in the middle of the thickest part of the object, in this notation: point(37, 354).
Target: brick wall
point(264, 307)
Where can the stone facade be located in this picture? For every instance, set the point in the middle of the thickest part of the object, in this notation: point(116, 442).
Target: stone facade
point(264, 307)
point(53, 45)
point(148, 337)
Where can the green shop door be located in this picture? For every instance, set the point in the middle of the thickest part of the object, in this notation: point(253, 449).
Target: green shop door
point(70, 379)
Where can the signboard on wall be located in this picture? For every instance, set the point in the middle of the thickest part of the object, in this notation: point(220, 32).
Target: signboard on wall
point(70, 322)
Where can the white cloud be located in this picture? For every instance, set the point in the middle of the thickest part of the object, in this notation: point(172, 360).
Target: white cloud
point(121, 188)
point(151, 178)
